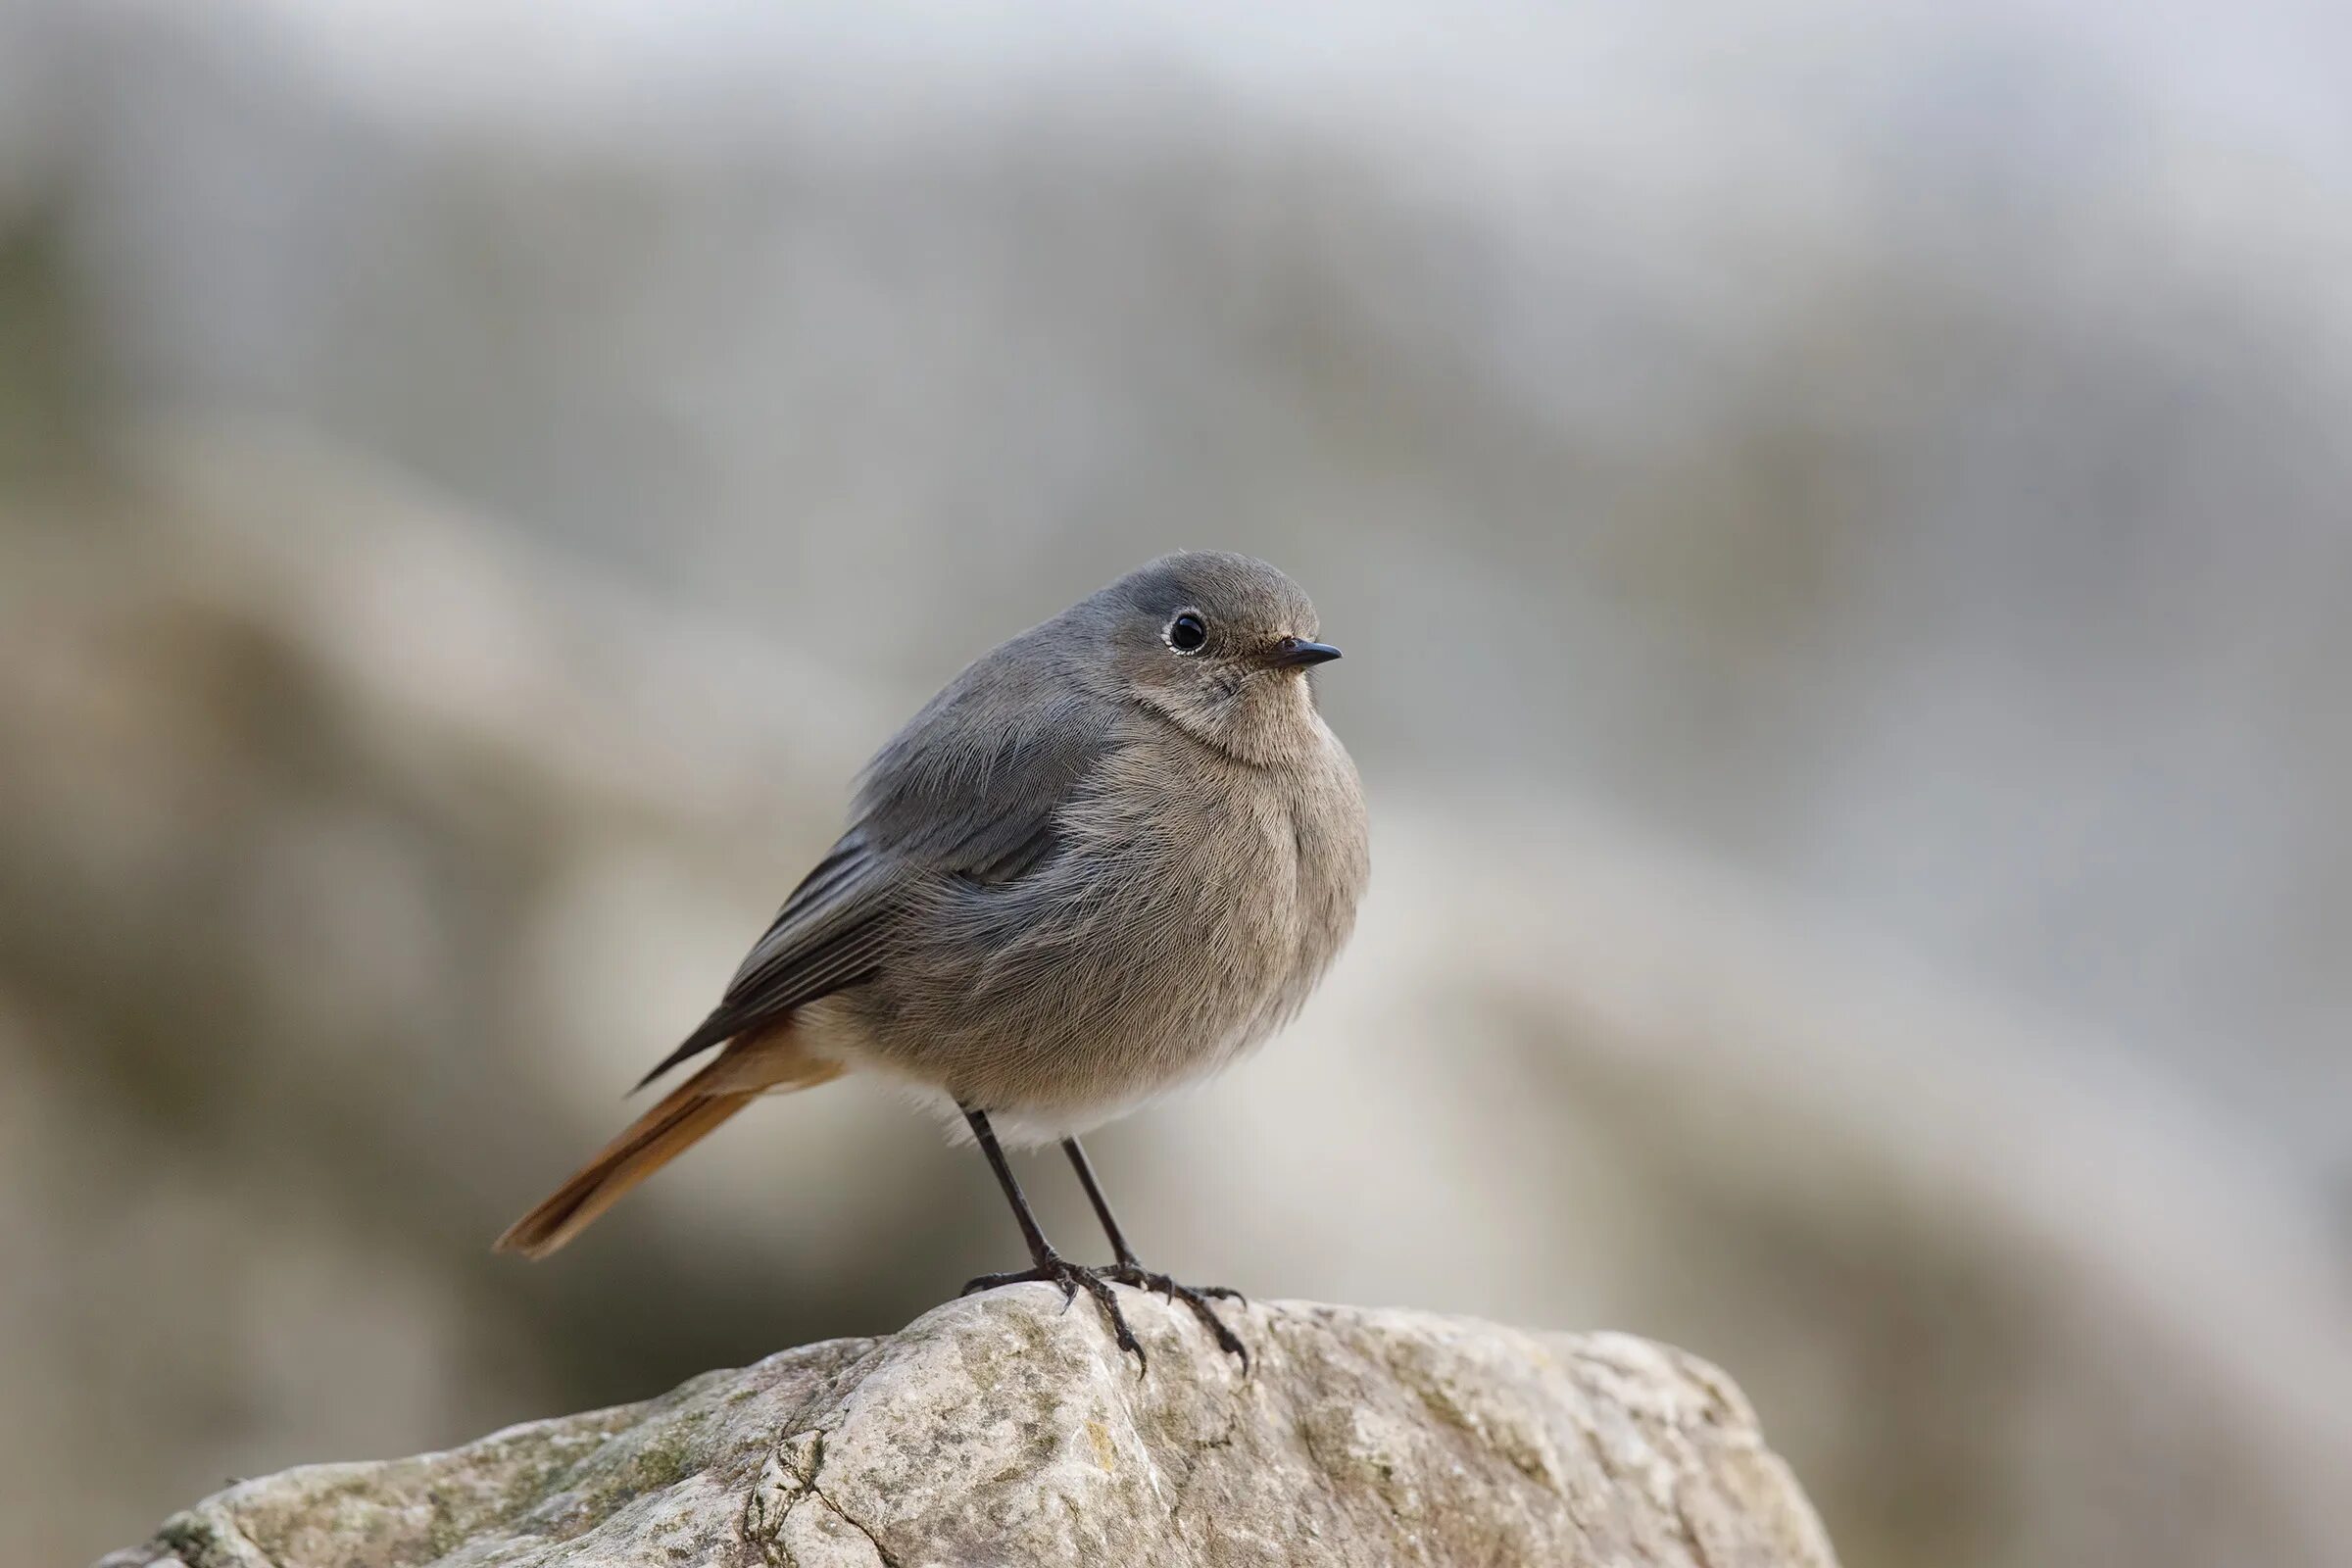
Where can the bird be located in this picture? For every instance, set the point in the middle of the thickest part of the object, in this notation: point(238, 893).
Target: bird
point(1109, 859)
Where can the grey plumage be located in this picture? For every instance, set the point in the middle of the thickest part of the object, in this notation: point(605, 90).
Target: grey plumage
point(1098, 864)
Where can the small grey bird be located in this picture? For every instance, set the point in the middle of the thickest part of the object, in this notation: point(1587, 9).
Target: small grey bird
point(1108, 858)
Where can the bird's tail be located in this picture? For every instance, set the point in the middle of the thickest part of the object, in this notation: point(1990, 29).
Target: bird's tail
point(749, 1068)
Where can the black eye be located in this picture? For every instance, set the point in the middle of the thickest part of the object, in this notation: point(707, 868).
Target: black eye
point(1187, 633)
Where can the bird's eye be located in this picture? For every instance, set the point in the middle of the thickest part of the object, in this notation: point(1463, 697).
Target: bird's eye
point(1187, 633)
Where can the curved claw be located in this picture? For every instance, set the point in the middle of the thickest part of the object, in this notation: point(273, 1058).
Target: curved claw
point(1195, 1298)
point(1073, 1278)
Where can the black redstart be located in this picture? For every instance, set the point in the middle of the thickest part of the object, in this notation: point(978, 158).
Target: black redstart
point(1108, 858)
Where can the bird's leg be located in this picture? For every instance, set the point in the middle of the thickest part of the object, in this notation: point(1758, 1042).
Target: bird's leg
point(1093, 1194)
point(1046, 1264)
point(1130, 1270)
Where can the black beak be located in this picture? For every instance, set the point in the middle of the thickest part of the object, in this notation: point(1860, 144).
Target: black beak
point(1295, 653)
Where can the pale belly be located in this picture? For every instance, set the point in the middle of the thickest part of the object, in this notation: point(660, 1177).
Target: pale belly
point(1061, 1058)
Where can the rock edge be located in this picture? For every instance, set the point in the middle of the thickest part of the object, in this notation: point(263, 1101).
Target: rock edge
point(1002, 1429)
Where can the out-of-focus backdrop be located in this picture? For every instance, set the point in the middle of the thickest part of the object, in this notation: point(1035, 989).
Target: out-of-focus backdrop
point(1840, 516)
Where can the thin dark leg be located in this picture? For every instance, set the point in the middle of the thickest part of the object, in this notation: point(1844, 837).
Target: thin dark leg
point(1046, 1265)
point(1041, 1250)
point(1130, 1270)
point(1093, 1194)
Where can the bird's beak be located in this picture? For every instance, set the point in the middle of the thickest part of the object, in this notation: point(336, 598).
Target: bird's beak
point(1297, 653)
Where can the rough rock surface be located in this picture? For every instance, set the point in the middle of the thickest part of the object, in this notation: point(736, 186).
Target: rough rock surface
point(1002, 1429)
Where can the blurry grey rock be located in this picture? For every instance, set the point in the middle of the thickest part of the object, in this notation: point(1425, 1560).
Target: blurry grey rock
point(1002, 1429)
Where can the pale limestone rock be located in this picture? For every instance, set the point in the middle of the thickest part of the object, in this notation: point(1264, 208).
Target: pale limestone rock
point(1002, 1429)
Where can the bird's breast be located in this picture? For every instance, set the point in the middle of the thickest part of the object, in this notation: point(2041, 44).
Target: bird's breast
point(1189, 908)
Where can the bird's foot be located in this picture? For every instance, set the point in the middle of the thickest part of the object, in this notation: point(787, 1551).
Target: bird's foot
point(1073, 1278)
point(1196, 1296)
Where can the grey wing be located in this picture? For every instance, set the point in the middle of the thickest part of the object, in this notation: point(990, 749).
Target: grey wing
point(831, 934)
point(975, 782)
point(973, 788)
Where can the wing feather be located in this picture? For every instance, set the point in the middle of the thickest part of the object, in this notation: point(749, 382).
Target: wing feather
point(831, 933)
point(971, 789)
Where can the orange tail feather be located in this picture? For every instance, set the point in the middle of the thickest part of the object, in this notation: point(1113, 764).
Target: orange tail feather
point(685, 1117)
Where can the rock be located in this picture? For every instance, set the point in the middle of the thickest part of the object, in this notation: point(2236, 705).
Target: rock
point(1002, 1429)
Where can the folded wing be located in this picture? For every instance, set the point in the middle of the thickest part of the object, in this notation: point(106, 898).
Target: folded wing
point(831, 934)
point(971, 789)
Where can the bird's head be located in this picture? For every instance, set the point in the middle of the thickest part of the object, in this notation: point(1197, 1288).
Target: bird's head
point(1220, 645)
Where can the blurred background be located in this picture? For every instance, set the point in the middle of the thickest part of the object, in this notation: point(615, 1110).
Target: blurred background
point(1841, 517)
